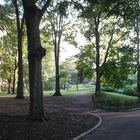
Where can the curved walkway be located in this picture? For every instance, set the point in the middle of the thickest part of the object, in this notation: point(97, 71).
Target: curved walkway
point(118, 126)
point(90, 130)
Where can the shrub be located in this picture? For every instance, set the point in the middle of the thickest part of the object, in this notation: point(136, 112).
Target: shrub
point(113, 102)
point(107, 88)
point(130, 90)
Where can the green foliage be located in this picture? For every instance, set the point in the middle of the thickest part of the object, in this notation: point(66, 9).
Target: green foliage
point(116, 70)
point(68, 73)
point(130, 90)
point(132, 79)
point(85, 63)
point(62, 8)
point(7, 58)
point(107, 88)
point(64, 74)
point(126, 9)
point(49, 84)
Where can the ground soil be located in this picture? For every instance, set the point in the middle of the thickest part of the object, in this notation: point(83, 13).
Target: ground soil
point(68, 118)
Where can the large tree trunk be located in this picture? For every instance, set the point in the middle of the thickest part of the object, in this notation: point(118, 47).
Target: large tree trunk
point(35, 55)
point(97, 37)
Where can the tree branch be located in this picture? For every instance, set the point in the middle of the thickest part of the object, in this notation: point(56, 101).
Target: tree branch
point(2, 29)
point(44, 8)
point(22, 21)
point(109, 44)
point(17, 14)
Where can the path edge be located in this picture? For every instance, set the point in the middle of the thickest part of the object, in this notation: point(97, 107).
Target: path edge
point(130, 110)
point(92, 129)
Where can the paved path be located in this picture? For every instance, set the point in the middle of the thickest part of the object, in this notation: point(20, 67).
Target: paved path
point(118, 126)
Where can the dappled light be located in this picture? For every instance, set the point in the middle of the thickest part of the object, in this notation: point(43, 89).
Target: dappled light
point(66, 66)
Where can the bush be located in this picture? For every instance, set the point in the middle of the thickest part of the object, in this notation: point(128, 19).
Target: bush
point(107, 88)
point(113, 102)
point(130, 90)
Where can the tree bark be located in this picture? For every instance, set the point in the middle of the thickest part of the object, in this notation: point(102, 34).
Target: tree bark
point(14, 77)
point(20, 64)
point(57, 73)
point(97, 38)
point(77, 86)
point(138, 60)
point(57, 41)
point(35, 55)
point(20, 67)
point(9, 85)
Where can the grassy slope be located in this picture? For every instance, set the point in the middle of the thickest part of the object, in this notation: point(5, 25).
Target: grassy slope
point(122, 96)
point(115, 101)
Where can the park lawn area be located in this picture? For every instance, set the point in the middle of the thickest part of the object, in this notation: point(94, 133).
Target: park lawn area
point(115, 101)
point(3, 93)
point(122, 96)
point(71, 91)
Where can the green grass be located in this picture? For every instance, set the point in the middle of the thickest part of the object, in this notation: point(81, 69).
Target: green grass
point(115, 101)
point(122, 96)
point(4, 93)
point(71, 91)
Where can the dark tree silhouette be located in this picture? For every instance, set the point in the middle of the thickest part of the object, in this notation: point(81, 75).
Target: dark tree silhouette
point(20, 64)
point(36, 52)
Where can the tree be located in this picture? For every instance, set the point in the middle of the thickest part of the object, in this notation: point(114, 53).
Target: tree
point(120, 64)
point(8, 63)
point(20, 64)
point(95, 13)
point(58, 17)
point(36, 52)
point(5, 26)
point(64, 75)
point(138, 49)
point(68, 73)
point(85, 63)
point(48, 66)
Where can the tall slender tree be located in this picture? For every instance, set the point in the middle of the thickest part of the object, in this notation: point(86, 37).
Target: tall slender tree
point(138, 52)
point(97, 11)
point(36, 52)
point(58, 17)
point(20, 64)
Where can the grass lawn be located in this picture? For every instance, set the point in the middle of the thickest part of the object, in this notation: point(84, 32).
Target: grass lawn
point(118, 95)
point(72, 91)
